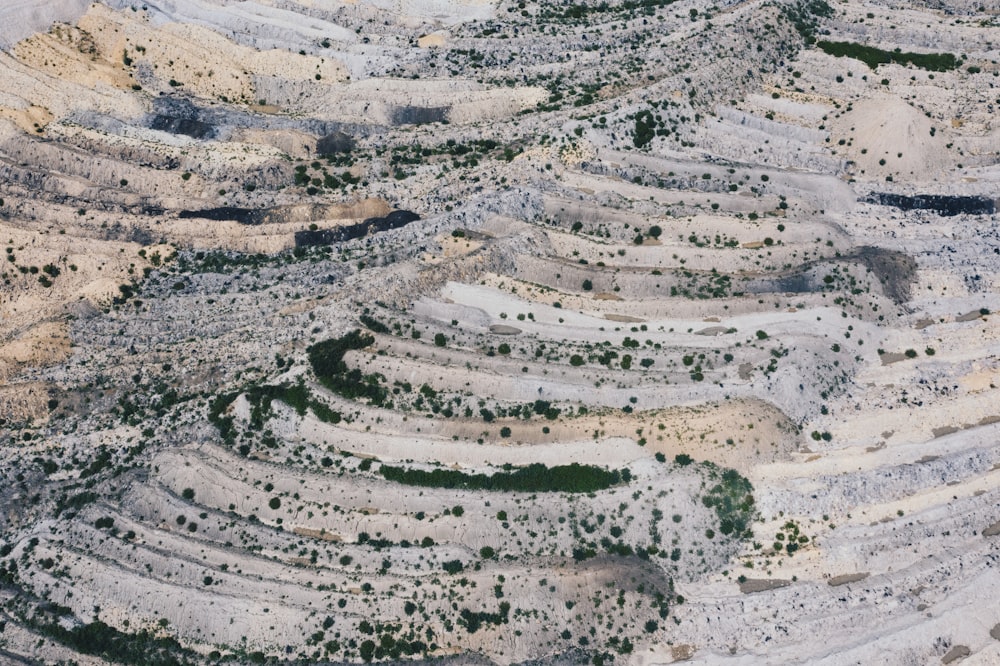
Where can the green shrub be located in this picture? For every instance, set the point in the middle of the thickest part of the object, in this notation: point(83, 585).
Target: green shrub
point(732, 499)
point(453, 566)
point(373, 324)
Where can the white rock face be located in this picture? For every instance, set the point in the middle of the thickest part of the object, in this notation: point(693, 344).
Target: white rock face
point(440, 12)
point(23, 18)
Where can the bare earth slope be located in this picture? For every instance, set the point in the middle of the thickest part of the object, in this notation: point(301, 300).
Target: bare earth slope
point(499, 332)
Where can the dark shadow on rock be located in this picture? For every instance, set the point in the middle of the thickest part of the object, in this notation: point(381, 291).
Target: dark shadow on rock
point(394, 220)
point(292, 215)
point(334, 142)
point(419, 115)
point(186, 126)
point(224, 213)
point(796, 283)
point(177, 115)
point(941, 204)
point(896, 271)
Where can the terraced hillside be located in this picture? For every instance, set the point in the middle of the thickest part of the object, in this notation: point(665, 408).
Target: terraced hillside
point(625, 332)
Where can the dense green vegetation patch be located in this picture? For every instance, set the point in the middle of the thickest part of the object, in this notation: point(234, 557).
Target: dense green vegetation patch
point(581, 11)
point(216, 416)
point(102, 640)
point(474, 621)
point(374, 324)
point(327, 360)
point(573, 478)
point(732, 499)
point(873, 57)
point(74, 502)
point(297, 396)
point(227, 262)
point(805, 16)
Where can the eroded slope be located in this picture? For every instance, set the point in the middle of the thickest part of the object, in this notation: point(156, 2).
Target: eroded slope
point(371, 331)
